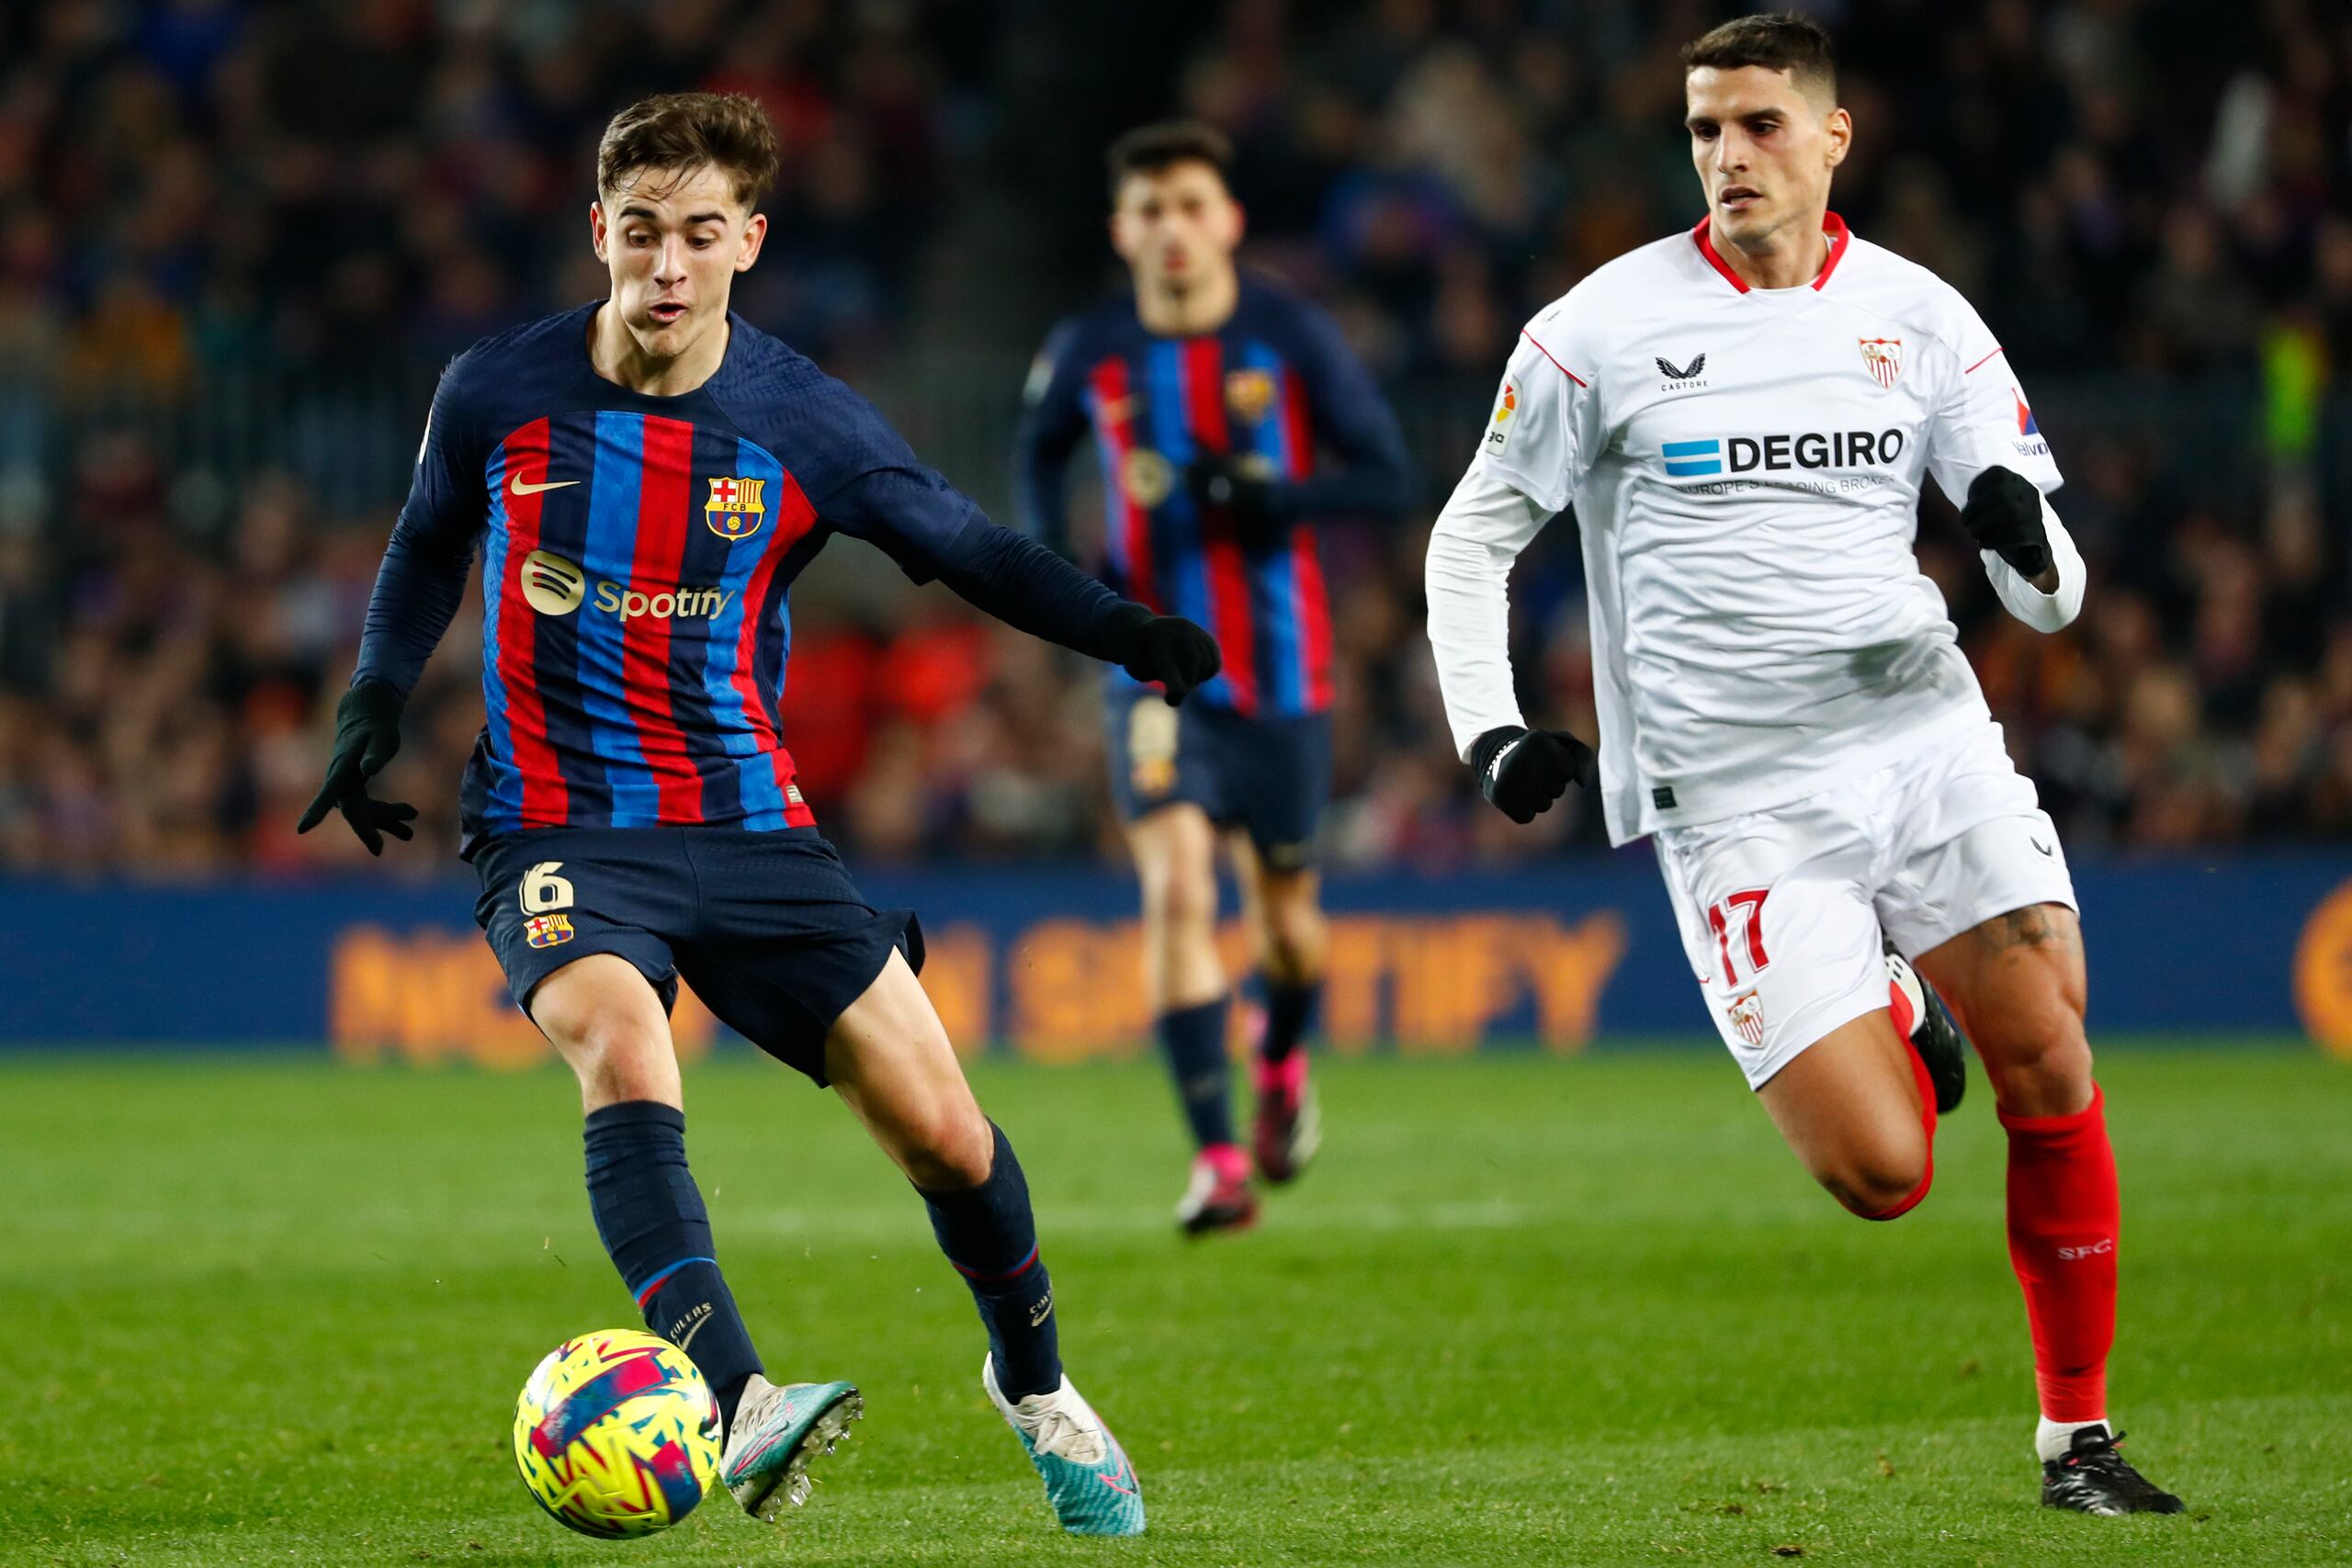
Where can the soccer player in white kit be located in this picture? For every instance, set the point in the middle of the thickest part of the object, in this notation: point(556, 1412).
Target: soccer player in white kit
point(1742, 416)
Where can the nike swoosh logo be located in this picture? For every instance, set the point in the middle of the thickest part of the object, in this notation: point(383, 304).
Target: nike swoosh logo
point(1495, 768)
point(2038, 844)
point(1119, 1483)
point(519, 487)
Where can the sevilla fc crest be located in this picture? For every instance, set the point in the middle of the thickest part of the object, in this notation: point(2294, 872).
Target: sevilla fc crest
point(1748, 1017)
point(734, 509)
point(1882, 357)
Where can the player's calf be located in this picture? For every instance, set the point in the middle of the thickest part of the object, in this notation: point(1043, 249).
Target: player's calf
point(989, 1235)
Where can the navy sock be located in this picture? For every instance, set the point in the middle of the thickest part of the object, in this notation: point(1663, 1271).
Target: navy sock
point(650, 1215)
point(1192, 1038)
point(989, 1233)
point(1290, 1013)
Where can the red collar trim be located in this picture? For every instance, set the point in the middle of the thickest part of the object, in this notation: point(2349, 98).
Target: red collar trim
point(1833, 228)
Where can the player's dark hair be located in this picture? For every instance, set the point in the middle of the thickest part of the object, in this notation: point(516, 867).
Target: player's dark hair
point(689, 132)
point(1147, 149)
point(1775, 41)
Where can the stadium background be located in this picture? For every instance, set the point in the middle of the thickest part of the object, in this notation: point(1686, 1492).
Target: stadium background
point(239, 239)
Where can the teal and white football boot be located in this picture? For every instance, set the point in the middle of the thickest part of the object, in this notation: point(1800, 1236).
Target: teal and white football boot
point(777, 1431)
point(1087, 1478)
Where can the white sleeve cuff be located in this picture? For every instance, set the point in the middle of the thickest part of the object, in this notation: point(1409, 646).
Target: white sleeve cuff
point(2043, 611)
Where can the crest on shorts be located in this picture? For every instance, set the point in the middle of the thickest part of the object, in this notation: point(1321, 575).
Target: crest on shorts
point(548, 931)
point(1250, 393)
point(1882, 357)
point(1748, 1017)
point(734, 509)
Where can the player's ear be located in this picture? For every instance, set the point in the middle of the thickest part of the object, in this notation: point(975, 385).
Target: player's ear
point(596, 230)
point(1840, 127)
point(755, 233)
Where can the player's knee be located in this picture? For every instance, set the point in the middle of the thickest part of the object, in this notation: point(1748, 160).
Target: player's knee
point(2040, 1059)
point(948, 1150)
point(1181, 896)
point(616, 1062)
point(1294, 937)
point(1877, 1180)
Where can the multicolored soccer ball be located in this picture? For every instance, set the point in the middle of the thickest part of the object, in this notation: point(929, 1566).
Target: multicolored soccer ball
point(616, 1434)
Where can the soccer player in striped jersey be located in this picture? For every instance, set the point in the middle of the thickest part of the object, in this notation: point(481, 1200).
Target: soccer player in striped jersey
point(644, 478)
point(1742, 417)
point(1215, 402)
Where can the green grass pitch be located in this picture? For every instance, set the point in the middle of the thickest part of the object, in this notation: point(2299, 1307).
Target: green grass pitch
point(1524, 1311)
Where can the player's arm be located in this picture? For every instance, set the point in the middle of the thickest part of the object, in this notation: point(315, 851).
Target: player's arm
point(1372, 477)
point(1530, 460)
point(933, 530)
point(418, 590)
point(1053, 418)
point(1989, 457)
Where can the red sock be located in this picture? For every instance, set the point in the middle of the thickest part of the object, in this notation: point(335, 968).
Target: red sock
point(1900, 1005)
point(2065, 1215)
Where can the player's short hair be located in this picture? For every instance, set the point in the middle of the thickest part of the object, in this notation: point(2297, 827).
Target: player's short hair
point(1775, 41)
point(1147, 149)
point(692, 130)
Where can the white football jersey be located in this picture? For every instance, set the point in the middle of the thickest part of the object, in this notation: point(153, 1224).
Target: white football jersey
point(1745, 466)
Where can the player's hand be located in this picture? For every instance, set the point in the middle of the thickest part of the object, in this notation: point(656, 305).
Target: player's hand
point(1166, 649)
point(2003, 515)
point(1243, 491)
point(367, 734)
point(1523, 771)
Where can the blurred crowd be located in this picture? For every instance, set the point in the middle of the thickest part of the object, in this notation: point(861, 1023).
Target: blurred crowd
point(2150, 202)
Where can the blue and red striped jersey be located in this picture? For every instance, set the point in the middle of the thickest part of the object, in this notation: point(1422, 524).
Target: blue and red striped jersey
point(639, 553)
point(1275, 384)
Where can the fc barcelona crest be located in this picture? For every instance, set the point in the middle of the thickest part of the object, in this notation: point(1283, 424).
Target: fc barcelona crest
point(1250, 393)
point(1882, 357)
point(734, 509)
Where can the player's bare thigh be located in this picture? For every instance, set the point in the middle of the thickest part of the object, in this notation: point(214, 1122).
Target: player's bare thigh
point(1282, 910)
point(606, 1022)
point(1848, 1106)
point(1175, 854)
point(2018, 986)
point(890, 1061)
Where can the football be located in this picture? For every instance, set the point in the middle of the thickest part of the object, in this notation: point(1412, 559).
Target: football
point(616, 1434)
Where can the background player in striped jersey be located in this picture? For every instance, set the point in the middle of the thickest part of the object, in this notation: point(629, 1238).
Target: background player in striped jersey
point(645, 477)
point(1742, 417)
point(1213, 398)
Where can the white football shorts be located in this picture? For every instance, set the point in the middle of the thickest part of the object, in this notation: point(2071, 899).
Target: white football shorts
point(1782, 910)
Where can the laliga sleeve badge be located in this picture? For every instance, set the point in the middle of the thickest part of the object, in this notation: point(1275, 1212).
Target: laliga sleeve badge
point(1498, 433)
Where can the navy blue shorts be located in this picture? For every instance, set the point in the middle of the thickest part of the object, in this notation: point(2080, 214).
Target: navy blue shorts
point(1267, 776)
point(768, 928)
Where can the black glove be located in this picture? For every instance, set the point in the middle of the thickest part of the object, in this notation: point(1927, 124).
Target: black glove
point(367, 734)
point(1523, 771)
point(1244, 491)
point(1166, 649)
point(2003, 515)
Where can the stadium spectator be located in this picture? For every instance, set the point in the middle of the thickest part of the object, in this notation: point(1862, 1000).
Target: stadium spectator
point(237, 240)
